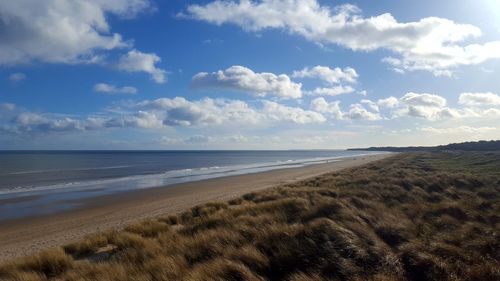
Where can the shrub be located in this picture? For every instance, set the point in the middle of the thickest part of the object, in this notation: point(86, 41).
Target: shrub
point(171, 220)
point(88, 245)
point(305, 277)
point(250, 257)
point(392, 236)
point(222, 269)
point(149, 228)
point(421, 267)
point(235, 201)
point(50, 263)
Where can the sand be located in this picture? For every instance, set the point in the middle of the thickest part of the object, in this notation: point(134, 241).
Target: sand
point(26, 236)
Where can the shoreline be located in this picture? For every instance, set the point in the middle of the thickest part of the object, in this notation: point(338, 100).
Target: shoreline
point(25, 236)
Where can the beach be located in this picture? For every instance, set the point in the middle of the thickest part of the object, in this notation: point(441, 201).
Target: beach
point(25, 236)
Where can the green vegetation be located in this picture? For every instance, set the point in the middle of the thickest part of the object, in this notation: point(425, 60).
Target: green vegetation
point(493, 145)
point(419, 216)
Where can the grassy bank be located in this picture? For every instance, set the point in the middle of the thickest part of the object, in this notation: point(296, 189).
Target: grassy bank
point(422, 216)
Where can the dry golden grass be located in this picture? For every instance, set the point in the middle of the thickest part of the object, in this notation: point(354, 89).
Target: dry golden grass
point(425, 216)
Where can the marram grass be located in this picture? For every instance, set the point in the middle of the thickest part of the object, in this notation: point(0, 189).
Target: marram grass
point(420, 216)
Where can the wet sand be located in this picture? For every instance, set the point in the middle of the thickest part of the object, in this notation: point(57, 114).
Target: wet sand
point(26, 236)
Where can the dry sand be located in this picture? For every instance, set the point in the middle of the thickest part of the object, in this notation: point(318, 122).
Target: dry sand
point(29, 235)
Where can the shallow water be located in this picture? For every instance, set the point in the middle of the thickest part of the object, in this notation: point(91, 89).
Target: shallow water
point(41, 182)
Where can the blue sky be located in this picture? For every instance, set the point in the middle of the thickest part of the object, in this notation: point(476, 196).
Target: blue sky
point(141, 74)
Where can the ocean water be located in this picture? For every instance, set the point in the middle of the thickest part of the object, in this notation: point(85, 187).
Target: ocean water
point(39, 182)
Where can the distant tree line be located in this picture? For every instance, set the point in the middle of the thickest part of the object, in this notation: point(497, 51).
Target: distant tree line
point(464, 146)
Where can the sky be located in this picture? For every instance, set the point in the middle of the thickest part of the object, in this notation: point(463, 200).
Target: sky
point(250, 74)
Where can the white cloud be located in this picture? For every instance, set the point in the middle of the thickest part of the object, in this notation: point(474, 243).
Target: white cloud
point(310, 140)
point(208, 113)
point(421, 105)
point(358, 112)
point(32, 123)
point(7, 106)
point(389, 102)
point(279, 112)
point(203, 139)
point(197, 139)
point(112, 89)
point(22, 122)
point(136, 61)
point(426, 100)
point(205, 112)
point(393, 61)
point(332, 108)
point(126, 9)
point(370, 104)
point(161, 113)
point(60, 31)
point(71, 32)
point(325, 73)
point(479, 99)
point(16, 77)
point(240, 78)
point(139, 119)
point(355, 112)
point(331, 77)
point(179, 111)
point(8, 111)
point(459, 130)
point(431, 44)
point(28, 122)
point(332, 91)
point(434, 107)
point(164, 140)
point(424, 105)
point(235, 138)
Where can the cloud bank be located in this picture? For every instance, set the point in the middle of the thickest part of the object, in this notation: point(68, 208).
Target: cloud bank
point(70, 32)
point(432, 44)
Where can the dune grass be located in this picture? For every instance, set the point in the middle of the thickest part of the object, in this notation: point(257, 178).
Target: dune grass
point(419, 216)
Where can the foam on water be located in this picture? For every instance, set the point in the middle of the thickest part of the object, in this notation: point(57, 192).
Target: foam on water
point(58, 181)
point(170, 177)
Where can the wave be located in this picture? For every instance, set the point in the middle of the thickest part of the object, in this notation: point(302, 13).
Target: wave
point(172, 176)
point(66, 170)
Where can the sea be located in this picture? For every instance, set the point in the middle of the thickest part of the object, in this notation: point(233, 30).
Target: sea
point(42, 182)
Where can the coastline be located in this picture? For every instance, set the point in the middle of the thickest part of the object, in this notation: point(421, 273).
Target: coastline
point(20, 237)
